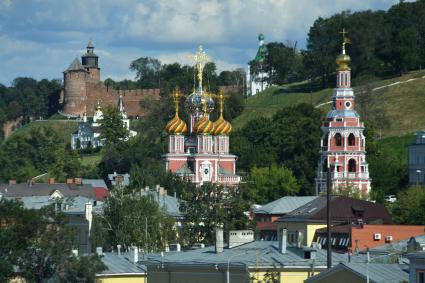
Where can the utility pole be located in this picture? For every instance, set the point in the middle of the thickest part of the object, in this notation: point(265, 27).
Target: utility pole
point(328, 218)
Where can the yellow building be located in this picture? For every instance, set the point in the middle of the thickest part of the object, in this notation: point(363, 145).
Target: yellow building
point(121, 269)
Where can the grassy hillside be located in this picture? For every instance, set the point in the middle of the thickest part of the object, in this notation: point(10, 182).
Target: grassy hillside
point(64, 128)
point(399, 103)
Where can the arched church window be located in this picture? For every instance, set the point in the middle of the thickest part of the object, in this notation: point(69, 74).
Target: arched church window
point(351, 140)
point(338, 139)
point(352, 165)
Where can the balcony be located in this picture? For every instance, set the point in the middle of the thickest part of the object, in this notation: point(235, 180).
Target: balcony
point(228, 179)
point(344, 175)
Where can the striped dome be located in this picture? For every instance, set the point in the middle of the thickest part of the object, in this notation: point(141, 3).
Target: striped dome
point(222, 127)
point(204, 126)
point(176, 126)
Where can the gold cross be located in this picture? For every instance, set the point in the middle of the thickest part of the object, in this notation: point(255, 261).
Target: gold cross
point(200, 59)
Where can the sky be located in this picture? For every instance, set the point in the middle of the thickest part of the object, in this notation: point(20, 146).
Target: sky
point(40, 38)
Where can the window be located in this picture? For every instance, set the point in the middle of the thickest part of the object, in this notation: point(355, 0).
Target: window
point(325, 165)
point(351, 140)
point(338, 139)
point(420, 278)
point(352, 165)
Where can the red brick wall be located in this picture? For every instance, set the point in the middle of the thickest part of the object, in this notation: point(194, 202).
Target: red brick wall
point(399, 232)
point(109, 96)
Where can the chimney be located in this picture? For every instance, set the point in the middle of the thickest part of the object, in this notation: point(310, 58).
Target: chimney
point(134, 254)
point(74, 252)
point(219, 240)
point(70, 181)
point(119, 249)
point(99, 251)
point(51, 181)
point(240, 237)
point(282, 237)
point(78, 181)
point(147, 189)
point(157, 188)
point(12, 182)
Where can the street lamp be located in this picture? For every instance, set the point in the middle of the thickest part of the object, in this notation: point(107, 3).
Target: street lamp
point(228, 266)
point(417, 178)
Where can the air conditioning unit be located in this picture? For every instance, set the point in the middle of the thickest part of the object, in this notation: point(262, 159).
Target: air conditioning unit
point(377, 236)
point(388, 239)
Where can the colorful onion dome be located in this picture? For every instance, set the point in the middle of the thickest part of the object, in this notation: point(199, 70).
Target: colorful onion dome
point(195, 102)
point(222, 127)
point(204, 126)
point(176, 126)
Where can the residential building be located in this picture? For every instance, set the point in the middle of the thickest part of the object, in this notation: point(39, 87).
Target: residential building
point(253, 260)
point(413, 244)
point(343, 144)
point(361, 237)
point(117, 179)
point(257, 76)
point(303, 222)
point(200, 152)
point(417, 267)
point(265, 216)
point(362, 272)
point(417, 160)
point(121, 267)
point(77, 201)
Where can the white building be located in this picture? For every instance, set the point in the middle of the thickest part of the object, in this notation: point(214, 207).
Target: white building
point(257, 79)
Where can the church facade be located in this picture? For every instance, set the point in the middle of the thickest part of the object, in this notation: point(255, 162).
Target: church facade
point(199, 150)
point(343, 144)
point(83, 89)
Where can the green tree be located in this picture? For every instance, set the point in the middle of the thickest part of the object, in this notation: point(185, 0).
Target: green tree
point(112, 128)
point(83, 268)
point(39, 243)
point(208, 207)
point(409, 207)
point(130, 217)
point(270, 183)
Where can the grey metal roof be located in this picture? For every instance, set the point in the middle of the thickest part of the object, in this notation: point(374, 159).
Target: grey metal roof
point(284, 205)
point(343, 113)
point(75, 66)
point(342, 211)
point(253, 254)
point(98, 183)
point(43, 189)
point(378, 273)
point(120, 265)
point(170, 204)
point(400, 246)
point(73, 205)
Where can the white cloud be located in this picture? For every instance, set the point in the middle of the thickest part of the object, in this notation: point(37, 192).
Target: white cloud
point(40, 38)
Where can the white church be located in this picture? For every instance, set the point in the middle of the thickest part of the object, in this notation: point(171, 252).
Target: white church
point(257, 82)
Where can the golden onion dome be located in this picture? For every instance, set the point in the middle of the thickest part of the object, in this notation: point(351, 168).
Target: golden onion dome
point(176, 126)
point(204, 126)
point(343, 60)
point(222, 127)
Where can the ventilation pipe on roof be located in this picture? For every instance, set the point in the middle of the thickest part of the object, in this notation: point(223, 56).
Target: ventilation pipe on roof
point(99, 251)
point(119, 249)
point(282, 236)
point(134, 254)
point(219, 240)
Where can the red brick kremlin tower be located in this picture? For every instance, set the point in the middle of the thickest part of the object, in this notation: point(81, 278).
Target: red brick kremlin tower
point(343, 143)
point(200, 151)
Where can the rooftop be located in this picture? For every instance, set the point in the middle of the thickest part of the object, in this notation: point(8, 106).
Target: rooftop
point(257, 253)
point(378, 273)
point(120, 264)
point(343, 210)
point(45, 189)
point(284, 205)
